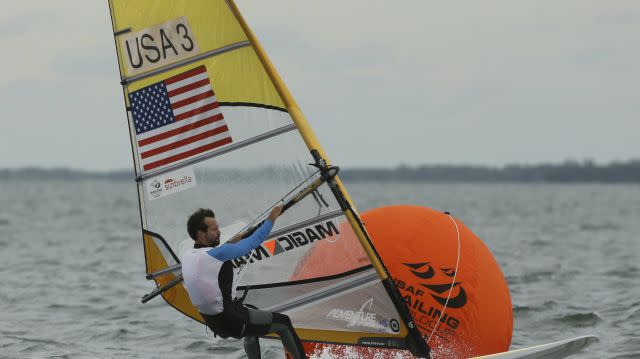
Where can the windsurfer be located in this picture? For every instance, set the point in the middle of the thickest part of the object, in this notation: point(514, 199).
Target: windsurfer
point(208, 277)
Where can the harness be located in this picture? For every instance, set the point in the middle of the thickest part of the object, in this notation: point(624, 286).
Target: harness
point(232, 321)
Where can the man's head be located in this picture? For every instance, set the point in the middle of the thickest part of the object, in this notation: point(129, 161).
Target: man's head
point(203, 228)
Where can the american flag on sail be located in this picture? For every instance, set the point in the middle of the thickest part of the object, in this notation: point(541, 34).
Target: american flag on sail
point(177, 118)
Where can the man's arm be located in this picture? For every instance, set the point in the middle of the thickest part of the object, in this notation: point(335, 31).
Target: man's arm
point(238, 237)
point(234, 250)
point(243, 247)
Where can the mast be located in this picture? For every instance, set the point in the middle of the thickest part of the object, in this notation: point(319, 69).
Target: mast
point(420, 347)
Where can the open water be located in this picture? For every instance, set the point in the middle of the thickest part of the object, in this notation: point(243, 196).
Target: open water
point(72, 270)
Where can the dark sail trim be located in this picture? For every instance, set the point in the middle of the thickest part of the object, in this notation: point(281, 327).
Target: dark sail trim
point(251, 104)
point(331, 291)
point(121, 32)
point(164, 242)
point(305, 281)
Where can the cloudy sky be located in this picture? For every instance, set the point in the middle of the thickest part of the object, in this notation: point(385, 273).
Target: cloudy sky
point(382, 82)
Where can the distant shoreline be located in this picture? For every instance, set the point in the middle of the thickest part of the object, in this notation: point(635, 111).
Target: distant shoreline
point(570, 171)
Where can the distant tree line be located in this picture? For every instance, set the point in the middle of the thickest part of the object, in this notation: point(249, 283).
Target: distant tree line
point(64, 174)
point(568, 171)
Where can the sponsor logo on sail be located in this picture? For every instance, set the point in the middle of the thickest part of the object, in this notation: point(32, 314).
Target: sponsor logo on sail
point(363, 317)
point(171, 183)
point(289, 241)
point(155, 189)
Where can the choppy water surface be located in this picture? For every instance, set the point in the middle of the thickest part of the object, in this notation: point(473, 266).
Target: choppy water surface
point(73, 273)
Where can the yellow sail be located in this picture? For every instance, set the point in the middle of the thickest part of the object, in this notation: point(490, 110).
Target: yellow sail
point(213, 125)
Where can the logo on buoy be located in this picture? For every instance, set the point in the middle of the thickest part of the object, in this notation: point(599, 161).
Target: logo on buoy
point(427, 316)
point(439, 291)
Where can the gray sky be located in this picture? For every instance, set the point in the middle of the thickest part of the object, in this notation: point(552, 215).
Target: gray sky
point(381, 82)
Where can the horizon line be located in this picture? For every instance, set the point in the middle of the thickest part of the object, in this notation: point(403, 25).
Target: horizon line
point(566, 162)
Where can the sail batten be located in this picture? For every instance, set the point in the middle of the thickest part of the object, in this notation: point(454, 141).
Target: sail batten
point(341, 288)
point(219, 152)
point(249, 104)
point(305, 223)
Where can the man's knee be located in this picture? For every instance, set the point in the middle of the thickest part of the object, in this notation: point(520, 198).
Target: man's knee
point(281, 319)
point(259, 316)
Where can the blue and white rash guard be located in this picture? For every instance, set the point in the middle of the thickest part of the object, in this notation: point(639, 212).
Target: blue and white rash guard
point(229, 251)
point(201, 269)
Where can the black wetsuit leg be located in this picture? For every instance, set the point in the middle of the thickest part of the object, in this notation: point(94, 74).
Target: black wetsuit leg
point(262, 322)
point(258, 324)
point(252, 347)
point(239, 321)
point(282, 326)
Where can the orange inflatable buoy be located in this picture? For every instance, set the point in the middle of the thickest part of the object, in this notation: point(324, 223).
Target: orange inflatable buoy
point(434, 260)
